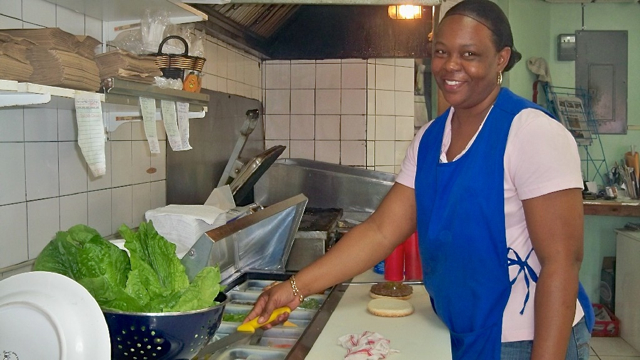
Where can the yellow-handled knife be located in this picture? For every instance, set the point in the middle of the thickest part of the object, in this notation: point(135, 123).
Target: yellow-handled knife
point(247, 333)
point(252, 325)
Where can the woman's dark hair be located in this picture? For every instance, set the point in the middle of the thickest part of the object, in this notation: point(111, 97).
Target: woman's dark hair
point(490, 15)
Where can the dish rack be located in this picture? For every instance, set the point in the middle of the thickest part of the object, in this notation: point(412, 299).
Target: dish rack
point(572, 108)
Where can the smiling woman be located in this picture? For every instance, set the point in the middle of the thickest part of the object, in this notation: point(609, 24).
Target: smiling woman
point(484, 278)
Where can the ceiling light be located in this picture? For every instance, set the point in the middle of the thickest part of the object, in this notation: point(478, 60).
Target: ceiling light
point(405, 12)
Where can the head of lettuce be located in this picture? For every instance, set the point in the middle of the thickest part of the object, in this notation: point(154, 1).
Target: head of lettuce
point(150, 279)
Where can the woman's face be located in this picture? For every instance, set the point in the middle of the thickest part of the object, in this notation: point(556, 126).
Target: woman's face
point(465, 62)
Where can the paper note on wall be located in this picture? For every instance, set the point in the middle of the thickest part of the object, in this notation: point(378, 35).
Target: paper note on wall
point(183, 124)
point(148, 110)
point(170, 124)
point(91, 136)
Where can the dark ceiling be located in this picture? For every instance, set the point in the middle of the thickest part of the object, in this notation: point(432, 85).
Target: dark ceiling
point(291, 31)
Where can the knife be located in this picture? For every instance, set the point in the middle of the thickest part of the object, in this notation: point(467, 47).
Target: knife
point(247, 333)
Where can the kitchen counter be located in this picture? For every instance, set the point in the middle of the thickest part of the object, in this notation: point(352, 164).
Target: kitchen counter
point(612, 207)
point(418, 336)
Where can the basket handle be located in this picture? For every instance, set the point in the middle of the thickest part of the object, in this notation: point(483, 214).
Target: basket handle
point(186, 46)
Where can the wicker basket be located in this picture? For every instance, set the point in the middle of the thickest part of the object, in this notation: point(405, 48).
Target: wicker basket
point(174, 65)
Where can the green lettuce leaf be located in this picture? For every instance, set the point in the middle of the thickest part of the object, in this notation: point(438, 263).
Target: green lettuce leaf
point(60, 255)
point(201, 292)
point(149, 279)
point(83, 255)
point(156, 271)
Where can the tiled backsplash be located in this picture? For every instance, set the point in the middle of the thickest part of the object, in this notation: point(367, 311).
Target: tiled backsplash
point(231, 71)
point(45, 185)
point(353, 112)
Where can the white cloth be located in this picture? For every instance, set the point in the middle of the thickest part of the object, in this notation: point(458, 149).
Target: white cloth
point(541, 157)
point(366, 346)
point(539, 66)
point(184, 224)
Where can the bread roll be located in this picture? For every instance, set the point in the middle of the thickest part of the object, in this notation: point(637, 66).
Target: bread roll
point(390, 307)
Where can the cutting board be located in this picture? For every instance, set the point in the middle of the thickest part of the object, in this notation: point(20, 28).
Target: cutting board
point(418, 336)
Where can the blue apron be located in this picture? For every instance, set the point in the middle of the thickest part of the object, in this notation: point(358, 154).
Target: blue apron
point(461, 227)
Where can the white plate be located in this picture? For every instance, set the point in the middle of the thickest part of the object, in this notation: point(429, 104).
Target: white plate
point(45, 315)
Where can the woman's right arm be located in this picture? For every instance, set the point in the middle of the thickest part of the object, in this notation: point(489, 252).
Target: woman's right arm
point(358, 250)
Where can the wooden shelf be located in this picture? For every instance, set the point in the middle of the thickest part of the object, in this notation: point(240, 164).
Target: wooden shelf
point(120, 103)
point(611, 208)
point(127, 11)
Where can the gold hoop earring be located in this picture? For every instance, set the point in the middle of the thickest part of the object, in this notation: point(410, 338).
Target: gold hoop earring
point(500, 78)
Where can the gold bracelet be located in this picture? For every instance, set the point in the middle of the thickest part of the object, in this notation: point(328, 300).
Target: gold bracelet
point(296, 292)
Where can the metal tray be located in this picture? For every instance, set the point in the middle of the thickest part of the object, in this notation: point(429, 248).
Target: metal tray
point(300, 338)
point(248, 352)
point(244, 298)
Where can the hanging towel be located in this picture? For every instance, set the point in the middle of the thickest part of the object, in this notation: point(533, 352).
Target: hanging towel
point(539, 66)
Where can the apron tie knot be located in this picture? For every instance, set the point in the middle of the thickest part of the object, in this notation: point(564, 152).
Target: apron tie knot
point(525, 269)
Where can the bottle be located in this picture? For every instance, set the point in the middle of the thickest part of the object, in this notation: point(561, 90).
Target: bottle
point(379, 268)
point(412, 264)
point(394, 265)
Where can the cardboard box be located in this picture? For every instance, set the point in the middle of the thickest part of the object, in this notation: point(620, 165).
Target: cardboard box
point(607, 324)
point(608, 283)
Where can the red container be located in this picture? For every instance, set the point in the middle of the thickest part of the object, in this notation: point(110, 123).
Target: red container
point(605, 328)
point(412, 264)
point(394, 265)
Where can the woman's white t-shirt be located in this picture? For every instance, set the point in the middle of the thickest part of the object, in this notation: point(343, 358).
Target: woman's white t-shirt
point(541, 157)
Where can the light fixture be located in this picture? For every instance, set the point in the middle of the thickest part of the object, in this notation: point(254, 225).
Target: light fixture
point(405, 12)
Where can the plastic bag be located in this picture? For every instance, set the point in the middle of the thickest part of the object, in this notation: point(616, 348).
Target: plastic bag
point(153, 26)
point(197, 45)
point(129, 40)
point(165, 83)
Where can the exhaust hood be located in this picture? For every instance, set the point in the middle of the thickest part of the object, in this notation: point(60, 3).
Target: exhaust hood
point(319, 2)
point(299, 30)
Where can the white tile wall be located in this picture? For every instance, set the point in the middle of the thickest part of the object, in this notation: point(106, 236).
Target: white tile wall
point(141, 201)
point(43, 223)
point(303, 149)
point(69, 21)
point(236, 72)
point(13, 222)
point(99, 211)
point(45, 185)
point(12, 8)
point(73, 210)
point(303, 75)
point(353, 153)
point(302, 101)
point(12, 124)
point(327, 127)
point(353, 127)
point(277, 127)
point(327, 101)
point(302, 127)
point(40, 13)
point(12, 176)
point(41, 160)
point(73, 169)
point(362, 114)
point(328, 151)
point(121, 207)
point(328, 76)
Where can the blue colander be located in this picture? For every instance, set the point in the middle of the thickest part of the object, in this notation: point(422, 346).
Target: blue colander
point(163, 336)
